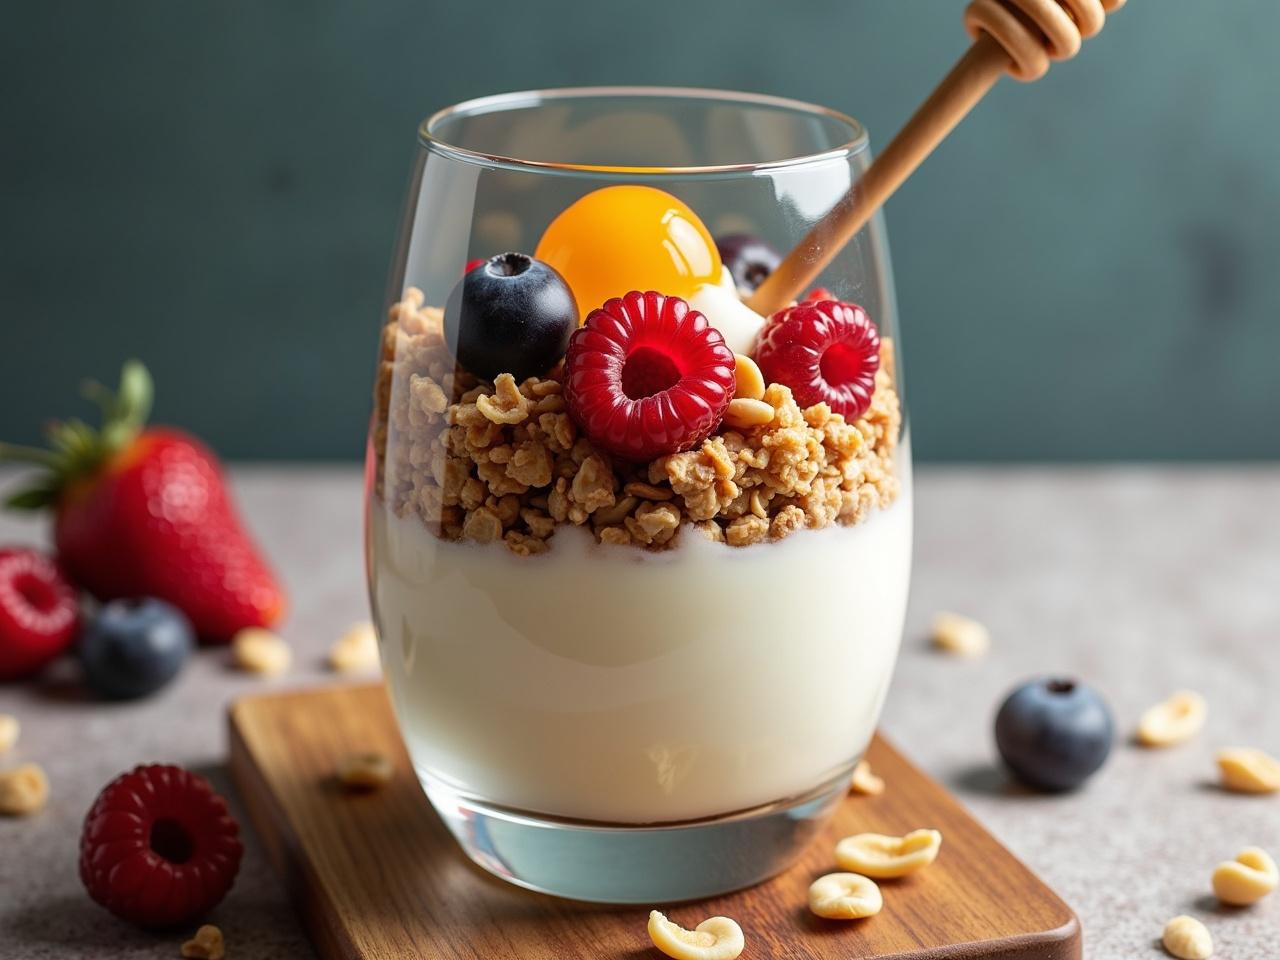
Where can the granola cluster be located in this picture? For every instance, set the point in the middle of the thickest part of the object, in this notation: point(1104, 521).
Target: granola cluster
point(504, 461)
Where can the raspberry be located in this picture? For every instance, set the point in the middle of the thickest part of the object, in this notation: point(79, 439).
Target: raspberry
point(647, 376)
point(39, 612)
point(825, 351)
point(159, 848)
point(819, 293)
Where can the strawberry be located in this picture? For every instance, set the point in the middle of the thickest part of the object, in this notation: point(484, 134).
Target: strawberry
point(144, 511)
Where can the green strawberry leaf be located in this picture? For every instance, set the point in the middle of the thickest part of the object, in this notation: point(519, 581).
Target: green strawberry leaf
point(12, 453)
point(37, 497)
point(125, 411)
point(136, 393)
point(77, 449)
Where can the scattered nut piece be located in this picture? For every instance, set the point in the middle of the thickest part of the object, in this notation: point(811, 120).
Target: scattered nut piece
point(1246, 770)
point(23, 790)
point(960, 635)
point(1246, 879)
point(717, 938)
point(865, 782)
point(744, 413)
point(748, 380)
point(207, 944)
point(356, 651)
point(9, 730)
point(845, 896)
point(882, 857)
point(260, 651)
point(1174, 721)
point(365, 771)
point(1187, 939)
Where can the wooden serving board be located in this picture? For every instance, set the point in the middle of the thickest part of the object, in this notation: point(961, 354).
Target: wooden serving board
point(378, 876)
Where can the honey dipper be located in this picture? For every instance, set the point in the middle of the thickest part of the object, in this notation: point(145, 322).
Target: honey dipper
point(1015, 36)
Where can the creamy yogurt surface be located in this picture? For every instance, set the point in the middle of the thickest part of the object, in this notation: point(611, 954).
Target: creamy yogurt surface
point(724, 309)
point(612, 684)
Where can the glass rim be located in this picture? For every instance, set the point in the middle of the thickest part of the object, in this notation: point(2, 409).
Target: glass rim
point(523, 99)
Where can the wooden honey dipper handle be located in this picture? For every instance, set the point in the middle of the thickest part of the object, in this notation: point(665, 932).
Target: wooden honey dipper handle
point(1019, 37)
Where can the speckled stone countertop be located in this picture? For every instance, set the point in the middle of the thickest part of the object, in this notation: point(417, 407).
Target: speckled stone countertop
point(1141, 580)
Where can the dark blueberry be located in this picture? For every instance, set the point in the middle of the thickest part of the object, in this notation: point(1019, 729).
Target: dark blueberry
point(748, 258)
point(513, 314)
point(1054, 733)
point(135, 647)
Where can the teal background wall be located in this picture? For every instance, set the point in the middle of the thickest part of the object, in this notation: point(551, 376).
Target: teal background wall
point(1089, 268)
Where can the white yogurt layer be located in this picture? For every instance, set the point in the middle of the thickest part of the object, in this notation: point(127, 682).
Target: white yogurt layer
point(612, 684)
point(723, 307)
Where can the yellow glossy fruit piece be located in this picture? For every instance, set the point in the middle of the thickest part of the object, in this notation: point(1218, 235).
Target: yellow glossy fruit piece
point(624, 238)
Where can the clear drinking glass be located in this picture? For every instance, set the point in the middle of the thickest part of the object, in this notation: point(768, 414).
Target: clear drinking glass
point(629, 681)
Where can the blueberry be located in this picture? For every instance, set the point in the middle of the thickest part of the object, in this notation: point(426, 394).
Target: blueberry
point(748, 258)
point(135, 647)
point(513, 314)
point(1054, 733)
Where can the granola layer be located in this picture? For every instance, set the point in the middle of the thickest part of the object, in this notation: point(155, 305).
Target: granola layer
point(482, 461)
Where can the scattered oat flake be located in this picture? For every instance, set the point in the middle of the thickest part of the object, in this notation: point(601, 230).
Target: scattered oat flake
point(365, 771)
point(1173, 721)
point(207, 944)
point(260, 651)
point(356, 651)
point(9, 730)
point(1248, 770)
point(959, 635)
point(24, 790)
point(865, 782)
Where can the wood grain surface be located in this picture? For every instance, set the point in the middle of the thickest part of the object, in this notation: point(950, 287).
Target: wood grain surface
point(378, 876)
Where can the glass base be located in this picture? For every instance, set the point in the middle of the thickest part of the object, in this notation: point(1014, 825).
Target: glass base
point(651, 865)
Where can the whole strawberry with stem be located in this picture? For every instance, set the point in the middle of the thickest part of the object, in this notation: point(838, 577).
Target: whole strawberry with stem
point(144, 511)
